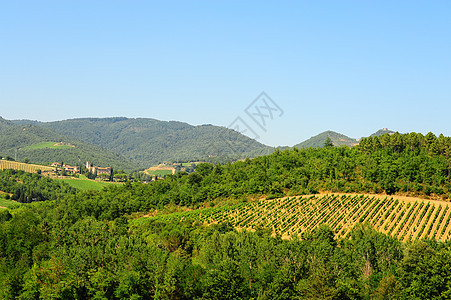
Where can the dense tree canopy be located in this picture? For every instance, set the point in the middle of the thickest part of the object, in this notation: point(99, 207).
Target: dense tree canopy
point(46, 256)
point(27, 187)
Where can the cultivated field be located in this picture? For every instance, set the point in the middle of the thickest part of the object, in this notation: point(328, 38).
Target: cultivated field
point(160, 173)
point(405, 219)
point(6, 164)
point(83, 183)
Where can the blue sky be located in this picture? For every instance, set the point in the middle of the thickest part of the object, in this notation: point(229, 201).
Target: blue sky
point(348, 66)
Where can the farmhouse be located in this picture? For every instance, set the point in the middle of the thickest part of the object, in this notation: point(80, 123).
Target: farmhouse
point(96, 169)
point(67, 168)
point(71, 169)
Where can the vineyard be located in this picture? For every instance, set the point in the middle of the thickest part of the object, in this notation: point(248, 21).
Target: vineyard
point(406, 220)
point(6, 164)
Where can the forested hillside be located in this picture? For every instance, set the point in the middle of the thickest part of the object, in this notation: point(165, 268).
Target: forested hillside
point(24, 142)
point(150, 141)
point(5, 124)
point(96, 244)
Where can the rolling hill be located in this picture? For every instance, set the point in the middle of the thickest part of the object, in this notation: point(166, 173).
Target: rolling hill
point(338, 139)
point(42, 146)
point(317, 141)
point(148, 141)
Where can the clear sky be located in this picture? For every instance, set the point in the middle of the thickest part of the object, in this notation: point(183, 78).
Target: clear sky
point(349, 66)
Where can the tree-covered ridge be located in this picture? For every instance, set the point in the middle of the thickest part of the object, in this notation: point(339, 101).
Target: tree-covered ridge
point(289, 172)
point(390, 169)
point(16, 140)
point(149, 141)
point(26, 187)
point(415, 142)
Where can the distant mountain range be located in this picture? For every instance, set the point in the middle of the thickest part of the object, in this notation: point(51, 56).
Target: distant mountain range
point(130, 143)
point(144, 142)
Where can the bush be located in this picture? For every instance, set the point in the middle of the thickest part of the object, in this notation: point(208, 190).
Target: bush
point(428, 190)
point(390, 187)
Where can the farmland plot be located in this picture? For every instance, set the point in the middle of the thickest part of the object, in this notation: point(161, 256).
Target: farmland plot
point(406, 220)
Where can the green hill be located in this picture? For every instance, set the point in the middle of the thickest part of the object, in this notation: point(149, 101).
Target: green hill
point(42, 146)
point(318, 141)
point(149, 141)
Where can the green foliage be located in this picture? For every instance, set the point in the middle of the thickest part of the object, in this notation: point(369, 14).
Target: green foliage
point(27, 187)
point(7, 202)
point(48, 256)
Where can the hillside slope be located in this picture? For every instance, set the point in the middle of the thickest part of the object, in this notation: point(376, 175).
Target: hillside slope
point(5, 124)
point(18, 141)
point(289, 216)
point(149, 141)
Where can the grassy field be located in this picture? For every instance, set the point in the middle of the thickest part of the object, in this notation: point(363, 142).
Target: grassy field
point(83, 183)
point(44, 145)
point(405, 219)
point(6, 164)
point(158, 172)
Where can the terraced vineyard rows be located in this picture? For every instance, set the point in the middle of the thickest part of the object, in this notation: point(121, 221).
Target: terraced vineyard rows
point(6, 164)
point(406, 220)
